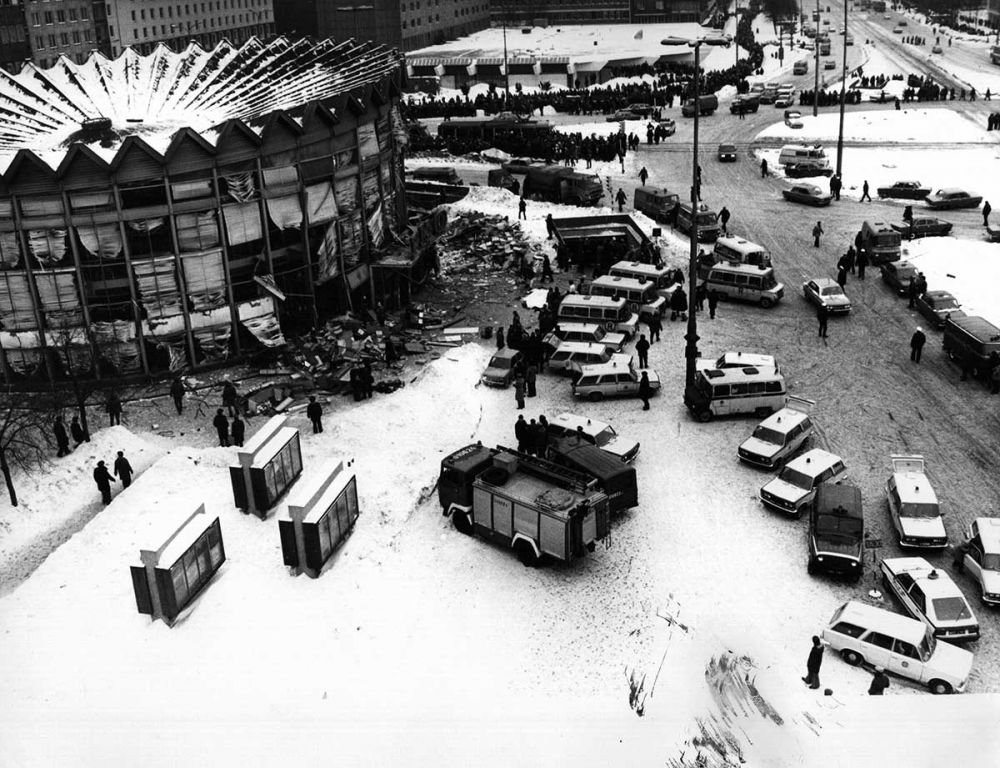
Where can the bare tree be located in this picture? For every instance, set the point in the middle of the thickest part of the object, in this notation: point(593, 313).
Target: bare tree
point(24, 436)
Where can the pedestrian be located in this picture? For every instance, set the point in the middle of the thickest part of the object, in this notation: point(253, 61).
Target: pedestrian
point(643, 175)
point(655, 324)
point(678, 304)
point(391, 355)
point(522, 207)
point(908, 214)
point(521, 432)
point(104, 480)
point(357, 386)
point(817, 231)
point(911, 291)
point(862, 262)
point(723, 218)
point(114, 408)
point(62, 439)
point(813, 663)
point(550, 226)
point(499, 336)
point(852, 258)
point(822, 315)
point(123, 469)
point(519, 391)
point(713, 302)
point(987, 210)
point(917, 341)
point(642, 350)
point(531, 378)
point(621, 198)
point(547, 269)
point(221, 424)
point(864, 192)
point(880, 681)
point(229, 396)
point(835, 186)
point(763, 168)
point(77, 432)
point(177, 393)
point(237, 430)
point(538, 435)
point(842, 276)
point(315, 413)
point(645, 390)
point(368, 380)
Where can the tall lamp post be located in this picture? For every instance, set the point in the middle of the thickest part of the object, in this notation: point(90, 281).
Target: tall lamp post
point(691, 348)
point(843, 98)
point(816, 87)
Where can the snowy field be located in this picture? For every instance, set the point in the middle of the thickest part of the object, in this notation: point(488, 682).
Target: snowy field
point(885, 125)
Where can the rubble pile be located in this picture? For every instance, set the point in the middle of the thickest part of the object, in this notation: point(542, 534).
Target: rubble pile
point(476, 241)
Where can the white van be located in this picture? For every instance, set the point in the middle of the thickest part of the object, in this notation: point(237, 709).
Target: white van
point(641, 296)
point(730, 391)
point(745, 283)
point(801, 155)
point(613, 314)
point(661, 277)
point(570, 355)
point(899, 644)
point(780, 435)
point(739, 251)
point(591, 333)
point(794, 489)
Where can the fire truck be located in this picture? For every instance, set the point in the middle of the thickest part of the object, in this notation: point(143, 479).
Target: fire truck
point(537, 508)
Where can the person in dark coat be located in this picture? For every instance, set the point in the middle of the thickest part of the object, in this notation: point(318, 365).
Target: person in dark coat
point(543, 434)
point(177, 393)
point(817, 231)
point(645, 390)
point(522, 208)
point(114, 408)
point(813, 663)
point(104, 480)
point(621, 198)
point(521, 432)
point(499, 335)
point(917, 341)
point(62, 438)
point(987, 210)
point(851, 258)
point(911, 291)
point(123, 470)
point(315, 413)
point(864, 192)
point(238, 429)
point(723, 219)
point(763, 169)
point(519, 391)
point(880, 681)
point(357, 387)
point(530, 378)
point(550, 226)
point(908, 214)
point(537, 436)
point(221, 424)
point(822, 315)
point(229, 397)
point(368, 380)
point(391, 355)
point(77, 432)
point(862, 262)
point(655, 326)
point(678, 304)
point(547, 269)
point(713, 303)
point(643, 175)
point(842, 276)
point(642, 350)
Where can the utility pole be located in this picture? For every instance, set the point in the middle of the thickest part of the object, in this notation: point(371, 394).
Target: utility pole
point(506, 68)
point(843, 99)
point(816, 39)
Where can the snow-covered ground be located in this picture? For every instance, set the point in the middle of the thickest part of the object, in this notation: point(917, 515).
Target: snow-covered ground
point(968, 269)
point(879, 126)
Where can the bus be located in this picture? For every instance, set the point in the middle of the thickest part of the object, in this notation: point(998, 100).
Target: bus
point(642, 297)
point(613, 314)
point(488, 128)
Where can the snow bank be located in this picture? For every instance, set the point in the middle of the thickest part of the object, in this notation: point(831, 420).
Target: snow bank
point(888, 125)
point(968, 269)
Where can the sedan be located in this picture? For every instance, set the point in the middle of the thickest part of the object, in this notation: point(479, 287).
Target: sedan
point(938, 306)
point(937, 49)
point(925, 226)
point(898, 274)
point(668, 125)
point(929, 594)
point(623, 114)
point(793, 119)
point(727, 153)
point(829, 64)
point(808, 194)
point(953, 198)
point(804, 170)
point(518, 164)
point(824, 292)
point(905, 190)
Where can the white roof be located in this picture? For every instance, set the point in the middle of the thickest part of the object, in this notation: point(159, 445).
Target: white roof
point(813, 462)
point(572, 420)
point(581, 346)
point(989, 532)
point(784, 420)
point(185, 537)
point(939, 586)
point(274, 445)
point(870, 617)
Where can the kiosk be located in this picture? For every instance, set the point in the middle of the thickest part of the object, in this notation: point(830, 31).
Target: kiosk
point(268, 465)
point(174, 573)
point(320, 516)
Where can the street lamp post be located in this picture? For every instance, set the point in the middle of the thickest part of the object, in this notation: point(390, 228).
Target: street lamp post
point(691, 348)
point(843, 99)
point(816, 88)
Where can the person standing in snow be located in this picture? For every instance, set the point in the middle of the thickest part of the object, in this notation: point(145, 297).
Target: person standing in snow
point(678, 304)
point(547, 269)
point(522, 207)
point(864, 192)
point(643, 175)
point(655, 326)
point(823, 315)
point(917, 342)
point(62, 439)
point(620, 198)
point(315, 413)
point(817, 231)
point(842, 275)
point(862, 262)
point(531, 378)
point(104, 480)
point(177, 393)
point(763, 168)
point(229, 396)
point(221, 424)
point(645, 390)
point(987, 210)
point(713, 303)
point(813, 663)
point(642, 350)
point(723, 218)
point(519, 392)
point(123, 470)
point(238, 429)
point(880, 681)
point(499, 337)
point(114, 408)
point(76, 430)
point(521, 432)
point(550, 226)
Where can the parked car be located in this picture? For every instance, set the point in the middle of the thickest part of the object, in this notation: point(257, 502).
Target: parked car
point(794, 489)
point(829, 64)
point(645, 110)
point(937, 49)
point(824, 292)
point(738, 360)
point(937, 307)
point(808, 194)
point(901, 22)
point(980, 557)
point(747, 103)
point(793, 118)
point(623, 114)
point(897, 275)
point(806, 170)
point(727, 153)
point(837, 532)
point(778, 437)
point(900, 645)
point(519, 164)
point(596, 433)
point(611, 380)
point(897, 30)
point(930, 595)
point(500, 371)
point(953, 198)
point(924, 226)
point(591, 333)
point(905, 190)
point(785, 99)
point(668, 125)
point(913, 505)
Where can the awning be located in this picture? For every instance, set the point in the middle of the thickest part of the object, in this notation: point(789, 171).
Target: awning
point(102, 240)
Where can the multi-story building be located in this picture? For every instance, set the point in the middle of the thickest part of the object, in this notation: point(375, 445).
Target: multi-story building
point(668, 11)
point(405, 24)
point(14, 47)
point(71, 28)
point(553, 12)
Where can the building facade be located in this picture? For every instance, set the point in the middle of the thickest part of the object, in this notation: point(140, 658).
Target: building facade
point(14, 46)
point(199, 216)
point(71, 28)
point(556, 12)
point(405, 24)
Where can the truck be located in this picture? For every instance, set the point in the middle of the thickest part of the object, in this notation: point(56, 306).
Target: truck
point(559, 184)
point(707, 104)
point(616, 478)
point(531, 505)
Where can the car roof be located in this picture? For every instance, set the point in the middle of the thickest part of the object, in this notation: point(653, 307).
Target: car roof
point(572, 420)
point(784, 419)
point(506, 352)
point(567, 325)
point(914, 487)
point(845, 497)
point(989, 532)
point(881, 620)
point(879, 226)
point(581, 346)
point(939, 585)
point(609, 367)
point(811, 188)
point(951, 191)
point(734, 241)
point(938, 294)
point(824, 282)
point(813, 462)
point(742, 359)
point(729, 375)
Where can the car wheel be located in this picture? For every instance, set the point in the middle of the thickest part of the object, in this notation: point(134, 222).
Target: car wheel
point(766, 303)
point(763, 412)
point(462, 523)
point(595, 397)
point(852, 657)
point(939, 687)
point(525, 553)
point(704, 416)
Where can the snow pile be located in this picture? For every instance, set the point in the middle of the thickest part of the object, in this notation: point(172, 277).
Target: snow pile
point(888, 125)
point(968, 269)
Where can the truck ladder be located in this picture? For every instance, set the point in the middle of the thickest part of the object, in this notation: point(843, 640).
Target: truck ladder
point(547, 470)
